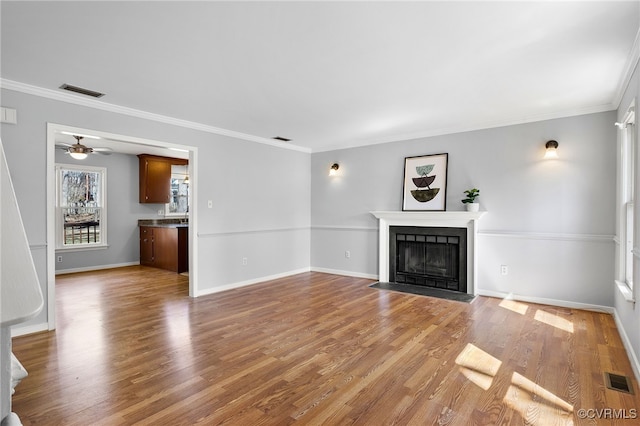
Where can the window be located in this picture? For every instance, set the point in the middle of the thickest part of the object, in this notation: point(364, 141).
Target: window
point(179, 204)
point(626, 220)
point(81, 208)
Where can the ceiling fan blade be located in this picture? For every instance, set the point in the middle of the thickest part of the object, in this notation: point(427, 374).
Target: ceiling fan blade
point(103, 151)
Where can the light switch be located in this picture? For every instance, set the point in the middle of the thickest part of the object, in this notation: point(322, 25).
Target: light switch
point(9, 115)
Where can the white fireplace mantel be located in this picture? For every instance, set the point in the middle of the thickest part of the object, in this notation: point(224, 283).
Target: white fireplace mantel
point(456, 219)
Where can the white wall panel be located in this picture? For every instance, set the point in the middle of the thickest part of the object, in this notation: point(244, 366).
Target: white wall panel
point(569, 269)
point(234, 259)
point(329, 245)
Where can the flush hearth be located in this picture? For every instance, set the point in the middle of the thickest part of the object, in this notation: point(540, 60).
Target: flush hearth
point(428, 256)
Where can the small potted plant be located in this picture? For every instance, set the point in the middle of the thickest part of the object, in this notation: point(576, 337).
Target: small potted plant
point(470, 201)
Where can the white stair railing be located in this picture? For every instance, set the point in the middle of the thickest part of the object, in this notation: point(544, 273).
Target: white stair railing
point(20, 293)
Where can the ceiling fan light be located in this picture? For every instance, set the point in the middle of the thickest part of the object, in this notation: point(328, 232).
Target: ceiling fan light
point(78, 155)
point(79, 151)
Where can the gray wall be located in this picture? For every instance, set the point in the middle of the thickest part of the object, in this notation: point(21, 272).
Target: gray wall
point(260, 193)
point(123, 212)
point(261, 212)
point(551, 222)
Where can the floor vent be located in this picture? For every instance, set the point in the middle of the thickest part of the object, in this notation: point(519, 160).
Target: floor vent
point(618, 383)
point(81, 91)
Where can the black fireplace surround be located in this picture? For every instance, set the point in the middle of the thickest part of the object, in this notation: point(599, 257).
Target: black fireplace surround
point(428, 256)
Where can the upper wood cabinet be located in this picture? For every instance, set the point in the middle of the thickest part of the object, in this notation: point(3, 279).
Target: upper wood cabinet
point(155, 178)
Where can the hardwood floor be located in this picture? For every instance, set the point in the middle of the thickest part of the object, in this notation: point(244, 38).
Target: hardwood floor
point(132, 348)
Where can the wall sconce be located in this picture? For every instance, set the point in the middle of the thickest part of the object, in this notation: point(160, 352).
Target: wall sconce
point(552, 147)
point(334, 169)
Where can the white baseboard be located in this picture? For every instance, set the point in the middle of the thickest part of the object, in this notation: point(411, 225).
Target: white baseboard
point(633, 359)
point(95, 268)
point(259, 280)
point(545, 301)
point(28, 329)
point(345, 273)
point(231, 286)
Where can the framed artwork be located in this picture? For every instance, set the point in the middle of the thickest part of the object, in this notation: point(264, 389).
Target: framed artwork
point(425, 183)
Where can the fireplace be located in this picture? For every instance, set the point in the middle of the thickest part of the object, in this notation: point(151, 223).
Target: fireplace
point(428, 256)
point(467, 221)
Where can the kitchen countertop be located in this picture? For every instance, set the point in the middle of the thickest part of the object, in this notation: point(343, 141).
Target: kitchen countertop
point(165, 223)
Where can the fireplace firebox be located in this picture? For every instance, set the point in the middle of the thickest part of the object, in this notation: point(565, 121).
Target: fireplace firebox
point(428, 256)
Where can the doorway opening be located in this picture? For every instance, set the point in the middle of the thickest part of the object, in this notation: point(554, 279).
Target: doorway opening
point(57, 135)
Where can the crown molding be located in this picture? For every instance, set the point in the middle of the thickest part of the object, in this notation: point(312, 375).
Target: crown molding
point(104, 106)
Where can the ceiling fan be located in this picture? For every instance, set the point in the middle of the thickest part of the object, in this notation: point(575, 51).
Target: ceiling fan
point(80, 151)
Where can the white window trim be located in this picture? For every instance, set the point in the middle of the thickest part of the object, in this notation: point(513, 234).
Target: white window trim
point(103, 215)
point(626, 198)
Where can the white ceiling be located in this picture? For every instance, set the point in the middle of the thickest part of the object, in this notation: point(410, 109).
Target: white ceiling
point(330, 74)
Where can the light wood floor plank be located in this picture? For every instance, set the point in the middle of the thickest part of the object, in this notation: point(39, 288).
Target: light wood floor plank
point(132, 348)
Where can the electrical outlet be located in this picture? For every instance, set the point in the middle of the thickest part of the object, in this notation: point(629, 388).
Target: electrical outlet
point(347, 254)
point(210, 204)
point(59, 259)
point(160, 212)
point(504, 270)
point(245, 261)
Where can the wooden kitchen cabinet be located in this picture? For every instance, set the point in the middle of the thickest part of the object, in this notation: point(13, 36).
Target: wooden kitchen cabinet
point(146, 245)
point(155, 178)
point(165, 247)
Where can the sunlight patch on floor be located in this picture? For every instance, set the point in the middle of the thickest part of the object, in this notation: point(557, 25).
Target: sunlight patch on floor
point(536, 405)
point(483, 381)
point(512, 305)
point(478, 366)
point(535, 389)
point(554, 321)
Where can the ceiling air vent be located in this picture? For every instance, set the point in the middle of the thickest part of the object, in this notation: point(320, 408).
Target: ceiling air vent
point(280, 138)
point(81, 91)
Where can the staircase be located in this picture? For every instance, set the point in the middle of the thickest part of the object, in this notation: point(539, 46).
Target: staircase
point(20, 294)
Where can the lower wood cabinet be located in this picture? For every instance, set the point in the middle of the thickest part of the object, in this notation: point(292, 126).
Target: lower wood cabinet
point(165, 247)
